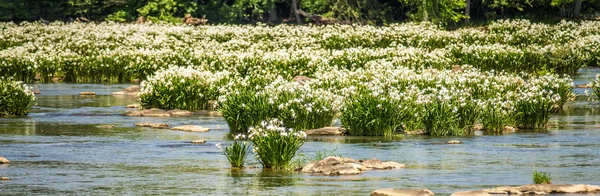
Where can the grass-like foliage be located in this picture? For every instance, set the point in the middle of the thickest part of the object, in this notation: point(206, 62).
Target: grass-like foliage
point(275, 145)
point(372, 116)
point(595, 85)
point(237, 152)
point(15, 97)
point(182, 88)
point(541, 178)
point(246, 108)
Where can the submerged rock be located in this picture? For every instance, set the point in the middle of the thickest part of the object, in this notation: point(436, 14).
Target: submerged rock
point(87, 93)
point(333, 166)
point(378, 164)
point(401, 192)
point(135, 105)
point(106, 126)
point(4, 160)
point(191, 128)
point(415, 132)
point(154, 112)
point(131, 90)
point(327, 131)
point(177, 112)
point(510, 129)
point(208, 113)
point(198, 141)
point(545, 189)
point(454, 142)
point(153, 125)
point(471, 193)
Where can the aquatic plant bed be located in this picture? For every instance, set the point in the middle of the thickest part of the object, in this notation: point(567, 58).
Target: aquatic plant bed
point(52, 152)
point(115, 52)
point(378, 99)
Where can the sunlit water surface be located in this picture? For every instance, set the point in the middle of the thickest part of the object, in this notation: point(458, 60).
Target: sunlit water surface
point(58, 149)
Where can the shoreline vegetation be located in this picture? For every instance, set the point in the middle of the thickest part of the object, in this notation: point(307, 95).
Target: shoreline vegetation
point(121, 53)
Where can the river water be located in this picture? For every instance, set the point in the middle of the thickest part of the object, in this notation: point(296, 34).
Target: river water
point(58, 149)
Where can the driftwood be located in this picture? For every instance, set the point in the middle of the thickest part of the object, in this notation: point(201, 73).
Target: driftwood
point(189, 20)
point(322, 20)
point(140, 20)
point(82, 19)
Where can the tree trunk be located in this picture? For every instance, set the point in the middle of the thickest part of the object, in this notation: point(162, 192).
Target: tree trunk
point(468, 11)
point(577, 10)
point(273, 13)
point(295, 11)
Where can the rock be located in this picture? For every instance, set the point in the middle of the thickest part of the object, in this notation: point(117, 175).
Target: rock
point(332, 166)
point(510, 129)
point(131, 90)
point(36, 91)
point(546, 189)
point(177, 112)
point(583, 86)
point(454, 142)
point(191, 128)
point(198, 141)
point(4, 178)
point(4, 160)
point(401, 192)
point(152, 125)
point(478, 127)
point(208, 113)
point(471, 193)
point(415, 132)
point(378, 164)
point(106, 126)
point(87, 93)
point(327, 131)
point(154, 112)
point(135, 105)
point(301, 79)
point(134, 88)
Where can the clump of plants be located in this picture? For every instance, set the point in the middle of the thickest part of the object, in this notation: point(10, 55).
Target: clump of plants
point(541, 178)
point(369, 115)
point(298, 106)
point(182, 88)
point(595, 85)
point(15, 97)
point(238, 151)
point(275, 145)
point(245, 108)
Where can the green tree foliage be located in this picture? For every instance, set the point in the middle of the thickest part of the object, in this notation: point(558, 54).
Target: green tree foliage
point(437, 11)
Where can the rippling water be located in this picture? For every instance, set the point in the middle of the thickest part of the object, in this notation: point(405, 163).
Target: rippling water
point(58, 149)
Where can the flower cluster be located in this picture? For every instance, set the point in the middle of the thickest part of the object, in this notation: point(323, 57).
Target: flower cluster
point(15, 97)
point(120, 53)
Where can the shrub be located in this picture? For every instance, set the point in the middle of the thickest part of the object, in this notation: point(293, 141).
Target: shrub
point(541, 178)
point(237, 152)
point(275, 145)
point(15, 97)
